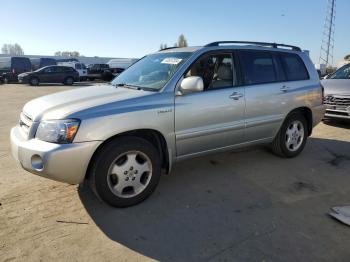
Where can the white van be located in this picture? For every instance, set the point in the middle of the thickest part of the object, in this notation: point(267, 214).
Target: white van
point(80, 67)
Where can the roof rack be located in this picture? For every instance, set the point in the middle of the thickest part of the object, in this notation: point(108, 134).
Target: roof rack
point(274, 45)
point(172, 47)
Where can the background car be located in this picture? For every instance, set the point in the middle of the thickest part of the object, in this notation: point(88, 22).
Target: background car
point(99, 71)
point(337, 93)
point(118, 65)
point(50, 74)
point(11, 67)
point(79, 67)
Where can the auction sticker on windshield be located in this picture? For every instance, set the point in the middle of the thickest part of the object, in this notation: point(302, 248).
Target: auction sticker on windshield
point(171, 61)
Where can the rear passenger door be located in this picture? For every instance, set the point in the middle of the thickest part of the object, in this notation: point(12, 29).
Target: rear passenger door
point(274, 83)
point(265, 99)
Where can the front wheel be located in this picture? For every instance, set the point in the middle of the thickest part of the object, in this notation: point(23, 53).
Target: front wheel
point(291, 138)
point(34, 81)
point(69, 81)
point(126, 171)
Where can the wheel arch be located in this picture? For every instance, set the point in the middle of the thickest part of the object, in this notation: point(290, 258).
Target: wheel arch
point(307, 113)
point(153, 136)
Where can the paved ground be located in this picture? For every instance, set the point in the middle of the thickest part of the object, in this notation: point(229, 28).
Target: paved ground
point(245, 205)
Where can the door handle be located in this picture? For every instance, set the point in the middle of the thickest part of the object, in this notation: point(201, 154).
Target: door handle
point(236, 95)
point(284, 88)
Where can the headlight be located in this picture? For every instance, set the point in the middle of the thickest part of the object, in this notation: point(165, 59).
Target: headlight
point(57, 131)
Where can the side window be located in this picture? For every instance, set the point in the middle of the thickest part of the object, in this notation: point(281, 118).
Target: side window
point(59, 69)
point(78, 66)
point(294, 67)
point(258, 67)
point(49, 70)
point(216, 70)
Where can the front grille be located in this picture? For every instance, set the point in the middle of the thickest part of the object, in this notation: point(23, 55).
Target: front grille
point(341, 101)
point(25, 123)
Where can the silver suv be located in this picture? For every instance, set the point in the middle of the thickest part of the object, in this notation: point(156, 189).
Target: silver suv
point(169, 106)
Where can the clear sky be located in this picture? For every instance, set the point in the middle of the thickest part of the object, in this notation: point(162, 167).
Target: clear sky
point(133, 28)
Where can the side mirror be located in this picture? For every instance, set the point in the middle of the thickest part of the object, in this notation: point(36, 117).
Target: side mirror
point(191, 84)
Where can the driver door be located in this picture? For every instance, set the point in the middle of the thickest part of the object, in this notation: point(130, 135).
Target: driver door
point(214, 118)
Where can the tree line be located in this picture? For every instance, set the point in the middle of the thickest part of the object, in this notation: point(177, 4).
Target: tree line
point(181, 42)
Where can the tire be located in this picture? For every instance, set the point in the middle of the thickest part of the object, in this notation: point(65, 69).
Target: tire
point(69, 81)
point(34, 81)
point(125, 172)
point(291, 138)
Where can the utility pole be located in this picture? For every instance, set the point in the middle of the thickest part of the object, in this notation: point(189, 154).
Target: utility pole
point(327, 45)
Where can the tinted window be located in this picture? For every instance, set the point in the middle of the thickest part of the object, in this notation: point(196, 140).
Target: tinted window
point(78, 66)
point(67, 69)
point(258, 67)
point(49, 69)
point(216, 70)
point(294, 67)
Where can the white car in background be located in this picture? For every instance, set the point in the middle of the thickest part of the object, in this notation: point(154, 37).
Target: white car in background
point(80, 67)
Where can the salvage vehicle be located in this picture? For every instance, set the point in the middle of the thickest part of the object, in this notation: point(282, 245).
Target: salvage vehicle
point(99, 71)
point(118, 65)
point(50, 74)
point(11, 67)
point(169, 106)
point(337, 93)
point(79, 67)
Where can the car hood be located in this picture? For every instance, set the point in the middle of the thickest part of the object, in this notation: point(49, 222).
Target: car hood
point(336, 86)
point(69, 103)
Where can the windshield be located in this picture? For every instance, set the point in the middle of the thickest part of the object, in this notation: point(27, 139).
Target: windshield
point(341, 73)
point(152, 71)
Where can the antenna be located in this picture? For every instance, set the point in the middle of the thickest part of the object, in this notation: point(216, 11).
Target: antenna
point(327, 45)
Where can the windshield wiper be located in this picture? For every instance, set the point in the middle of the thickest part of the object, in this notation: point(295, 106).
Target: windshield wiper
point(137, 87)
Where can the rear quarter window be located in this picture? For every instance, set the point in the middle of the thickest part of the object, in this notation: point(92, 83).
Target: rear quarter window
point(294, 67)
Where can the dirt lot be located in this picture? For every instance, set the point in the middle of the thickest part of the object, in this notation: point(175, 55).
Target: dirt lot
point(238, 206)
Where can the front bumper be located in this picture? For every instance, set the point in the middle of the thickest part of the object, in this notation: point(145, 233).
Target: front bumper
point(23, 80)
point(336, 112)
point(62, 162)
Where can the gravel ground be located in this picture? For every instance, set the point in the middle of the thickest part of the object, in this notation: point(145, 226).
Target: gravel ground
point(245, 205)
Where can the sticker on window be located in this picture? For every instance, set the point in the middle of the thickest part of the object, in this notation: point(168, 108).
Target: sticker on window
point(171, 60)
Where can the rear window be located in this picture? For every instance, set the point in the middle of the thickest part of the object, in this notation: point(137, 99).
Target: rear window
point(294, 67)
point(258, 67)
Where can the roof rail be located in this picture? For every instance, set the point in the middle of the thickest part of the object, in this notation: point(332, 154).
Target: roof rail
point(168, 48)
point(274, 45)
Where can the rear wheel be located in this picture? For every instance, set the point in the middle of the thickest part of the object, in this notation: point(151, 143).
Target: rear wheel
point(291, 138)
point(34, 81)
point(126, 171)
point(69, 81)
